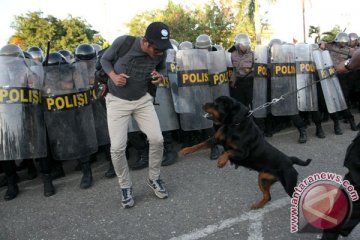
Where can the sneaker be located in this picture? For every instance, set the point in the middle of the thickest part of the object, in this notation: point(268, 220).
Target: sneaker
point(127, 200)
point(158, 188)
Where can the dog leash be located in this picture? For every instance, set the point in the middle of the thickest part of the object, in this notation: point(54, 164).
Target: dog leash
point(282, 97)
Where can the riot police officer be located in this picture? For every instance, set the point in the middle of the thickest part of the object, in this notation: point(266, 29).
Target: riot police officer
point(282, 54)
point(203, 41)
point(340, 52)
point(86, 54)
point(23, 129)
point(68, 113)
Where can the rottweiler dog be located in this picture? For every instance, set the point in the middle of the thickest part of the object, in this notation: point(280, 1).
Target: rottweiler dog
point(244, 145)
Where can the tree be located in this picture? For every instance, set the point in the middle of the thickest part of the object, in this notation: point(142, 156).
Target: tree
point(35, 30)
point(214, 19)
point(325, 36)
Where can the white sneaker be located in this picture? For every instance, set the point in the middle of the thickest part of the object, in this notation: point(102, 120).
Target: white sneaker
point(158, 188)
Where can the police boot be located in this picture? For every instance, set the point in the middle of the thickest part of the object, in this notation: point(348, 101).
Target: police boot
point(337, 128)
point(32, 172)
point(353, 125)
point(214, 153)
point(142, 160)
point(49, 189)
point(110, 173)
point(12, 188)
point(320, 132)
point(87, 179)
point(170, 156)
point(303, 135)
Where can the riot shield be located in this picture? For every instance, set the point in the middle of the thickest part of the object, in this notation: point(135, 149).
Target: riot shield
point(330, 85)
point(193, 88)
point(98, 104)
point(283, 79)
point(218, 77)
point(68, 112)
point(260, 80)
point(22, 127)
point(165, 106)
point(305, 78)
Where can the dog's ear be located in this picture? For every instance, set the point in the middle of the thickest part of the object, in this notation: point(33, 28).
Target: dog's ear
point(237, 113)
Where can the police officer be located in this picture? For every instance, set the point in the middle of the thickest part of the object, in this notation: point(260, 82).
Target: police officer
point(277, 88)
point(242, 58)
point(203, 41)
point(340, 52)
point(354, 84)
point(68, 116)
point(23, 137)
point(86, 54)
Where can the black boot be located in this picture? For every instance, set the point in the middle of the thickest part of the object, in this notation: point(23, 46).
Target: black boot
point(110, 173)
point(337, 128)
point(87, 179)
point(320, 132)
point(353, 125)
point(214, 153)
point(3, 180)
point(142, 160)
point(49, 189)
point(303, 135)
point(12, 188)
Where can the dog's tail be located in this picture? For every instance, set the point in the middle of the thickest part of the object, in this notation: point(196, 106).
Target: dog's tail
point(300, 162)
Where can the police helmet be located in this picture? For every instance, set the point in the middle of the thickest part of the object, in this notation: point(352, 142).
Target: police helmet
point(353, 36)
point(55, 58)
point(242, 38)
point(174, 43)
point(36, 53)
point(11, 50)
point(97, 47)
point(67, 55)
point(185, 45)
point(27, 55)
point(342, 38)
point(203, 41)
point(274, 41)
point(85, 52)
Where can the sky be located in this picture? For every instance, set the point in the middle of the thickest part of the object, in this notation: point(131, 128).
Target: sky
point(109, 16)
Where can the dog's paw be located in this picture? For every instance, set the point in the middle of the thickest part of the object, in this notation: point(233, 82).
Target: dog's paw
point(221, 163)
point(184, 151)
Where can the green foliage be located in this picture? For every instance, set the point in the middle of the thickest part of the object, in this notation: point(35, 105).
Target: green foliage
point(325, 36)
point(35, 30)
point(214, 19)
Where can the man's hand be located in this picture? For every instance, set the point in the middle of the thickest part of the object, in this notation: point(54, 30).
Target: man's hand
point(158, 78)
point(120, 80)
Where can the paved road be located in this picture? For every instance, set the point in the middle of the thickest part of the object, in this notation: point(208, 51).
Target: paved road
point(205, 202)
